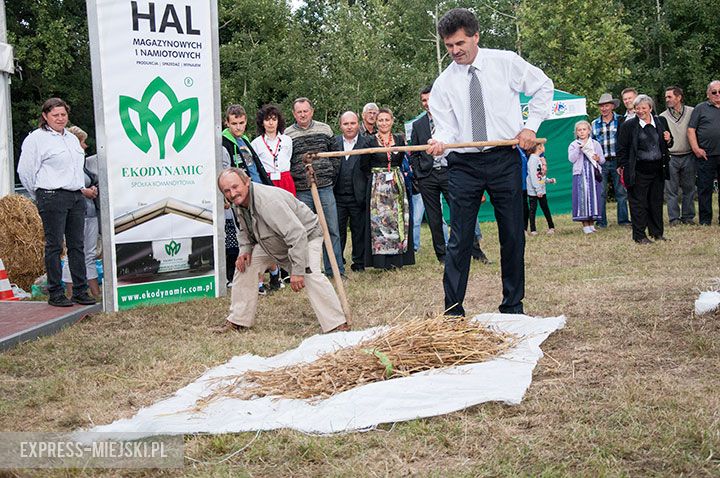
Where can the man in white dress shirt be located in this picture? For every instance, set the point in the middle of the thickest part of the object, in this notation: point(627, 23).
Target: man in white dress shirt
point(476, 98)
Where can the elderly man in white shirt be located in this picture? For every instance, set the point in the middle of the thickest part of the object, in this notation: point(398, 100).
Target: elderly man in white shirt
point(477, 98)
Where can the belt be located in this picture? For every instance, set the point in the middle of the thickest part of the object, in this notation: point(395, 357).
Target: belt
point(439, 168)
point(59, 189)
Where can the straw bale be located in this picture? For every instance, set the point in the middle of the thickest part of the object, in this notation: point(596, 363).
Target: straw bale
point(22, 241)
point(414, 346)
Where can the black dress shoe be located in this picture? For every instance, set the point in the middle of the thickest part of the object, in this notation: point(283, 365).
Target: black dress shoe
point(660, 238)
point(60, 301)
point(644, 240)
point(479, 255)
point(83, 299)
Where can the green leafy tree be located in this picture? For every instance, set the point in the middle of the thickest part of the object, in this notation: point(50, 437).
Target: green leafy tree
point(581, 44)
point(51, 50)
point(673, 44)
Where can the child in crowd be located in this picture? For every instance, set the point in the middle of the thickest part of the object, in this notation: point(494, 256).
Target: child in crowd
point(536, 179)
point(586, 155)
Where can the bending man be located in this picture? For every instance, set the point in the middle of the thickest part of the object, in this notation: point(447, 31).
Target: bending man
point(276, 228)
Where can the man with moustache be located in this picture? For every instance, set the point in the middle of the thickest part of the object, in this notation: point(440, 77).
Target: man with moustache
point(276, 228)
point(477, 98)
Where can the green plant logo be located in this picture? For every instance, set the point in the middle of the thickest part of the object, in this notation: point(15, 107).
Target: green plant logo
point(173, 118)
point(172, 248)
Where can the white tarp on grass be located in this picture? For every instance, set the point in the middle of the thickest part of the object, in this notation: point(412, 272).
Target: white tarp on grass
point(436, 392)
point(708, 301)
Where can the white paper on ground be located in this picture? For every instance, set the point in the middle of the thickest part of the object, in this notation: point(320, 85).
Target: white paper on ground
point(707, 302)
point(435, 392)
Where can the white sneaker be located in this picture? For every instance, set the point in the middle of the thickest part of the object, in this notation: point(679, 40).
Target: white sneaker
point(550, 231)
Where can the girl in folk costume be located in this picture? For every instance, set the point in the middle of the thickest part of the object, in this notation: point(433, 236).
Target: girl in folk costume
point(389, 223)
point(273, 147)
point(586, 155)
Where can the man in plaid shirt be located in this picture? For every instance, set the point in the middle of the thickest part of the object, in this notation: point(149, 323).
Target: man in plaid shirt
point(604, 131)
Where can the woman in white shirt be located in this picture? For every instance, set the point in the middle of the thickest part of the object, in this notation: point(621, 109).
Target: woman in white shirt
point(273, 147)
point(51, 169)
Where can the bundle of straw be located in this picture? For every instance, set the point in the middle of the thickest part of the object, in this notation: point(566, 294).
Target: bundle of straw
point(414, 346)
point(22, 240)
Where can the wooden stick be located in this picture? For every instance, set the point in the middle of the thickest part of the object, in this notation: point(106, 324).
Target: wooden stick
point(328, 243)
point(423, 147)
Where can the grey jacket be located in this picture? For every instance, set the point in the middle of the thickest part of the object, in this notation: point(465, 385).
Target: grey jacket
point(281, 224)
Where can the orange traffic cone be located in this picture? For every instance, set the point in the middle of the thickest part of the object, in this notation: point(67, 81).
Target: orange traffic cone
point(6, 292)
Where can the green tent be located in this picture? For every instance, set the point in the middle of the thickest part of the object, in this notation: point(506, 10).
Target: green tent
point(559, 129)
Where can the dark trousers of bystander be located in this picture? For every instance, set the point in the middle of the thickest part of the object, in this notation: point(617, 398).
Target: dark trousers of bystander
point(348, 210)
point(534, 200)
point(431, 187)
point(708, 170)
point(63, 216)
point(646, 202)
point(499, 172)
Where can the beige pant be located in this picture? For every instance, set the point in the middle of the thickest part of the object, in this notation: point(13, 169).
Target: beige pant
point(324, 301)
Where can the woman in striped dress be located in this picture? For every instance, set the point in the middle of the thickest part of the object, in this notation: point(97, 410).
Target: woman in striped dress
point(586, 155)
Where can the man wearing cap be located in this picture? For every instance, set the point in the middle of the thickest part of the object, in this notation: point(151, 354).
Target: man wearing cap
point(369, 116)
point(604, 131)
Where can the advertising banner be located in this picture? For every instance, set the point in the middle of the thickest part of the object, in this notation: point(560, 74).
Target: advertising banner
point(155, 83)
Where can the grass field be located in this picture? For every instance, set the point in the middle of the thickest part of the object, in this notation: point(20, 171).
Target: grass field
point(631, 386)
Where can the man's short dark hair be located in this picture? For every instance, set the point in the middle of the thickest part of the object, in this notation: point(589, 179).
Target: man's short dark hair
point(426, 89)
point(235, 110)
point(456, 19)
point(268, 111)
point(677, 91)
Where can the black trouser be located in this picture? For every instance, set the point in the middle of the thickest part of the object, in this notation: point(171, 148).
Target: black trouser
point(349, 210)
point(646, 201)
point(708, 170)
point(526, 209)
point(231, 255)
point(534, 200)
point(431, 186)
point(469, 175)
point(63, 214)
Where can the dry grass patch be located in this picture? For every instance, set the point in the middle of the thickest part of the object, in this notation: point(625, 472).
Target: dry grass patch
point(628, 388)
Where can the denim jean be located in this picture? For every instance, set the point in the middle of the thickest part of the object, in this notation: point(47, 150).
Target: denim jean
point(609, 171)
point(63, 217)
point(327, 200)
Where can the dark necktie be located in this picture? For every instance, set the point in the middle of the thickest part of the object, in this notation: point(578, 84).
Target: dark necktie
point(477, 107)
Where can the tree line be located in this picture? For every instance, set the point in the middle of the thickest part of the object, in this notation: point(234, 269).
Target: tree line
point(343, 54)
